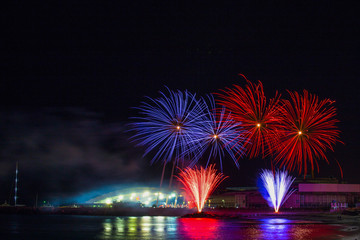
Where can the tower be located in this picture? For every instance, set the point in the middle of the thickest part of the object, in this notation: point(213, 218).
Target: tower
point(16, 181)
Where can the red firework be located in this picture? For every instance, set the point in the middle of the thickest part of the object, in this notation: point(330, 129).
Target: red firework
point(259, 116)
point(199, 183)
point(307, 130)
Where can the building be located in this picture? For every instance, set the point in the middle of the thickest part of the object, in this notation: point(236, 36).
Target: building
point(306, 195)
point(322, 195)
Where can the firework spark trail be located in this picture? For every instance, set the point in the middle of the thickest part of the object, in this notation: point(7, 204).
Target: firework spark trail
point(258, 115)
point(166, 127)
point(219, 134)
point(277, 187)
point(199, 183)
point(307, 129)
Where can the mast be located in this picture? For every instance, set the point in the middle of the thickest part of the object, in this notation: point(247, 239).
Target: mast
point(36, 200)
point(16, 181)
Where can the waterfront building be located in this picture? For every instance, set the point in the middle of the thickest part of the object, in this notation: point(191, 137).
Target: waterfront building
point(310, 194)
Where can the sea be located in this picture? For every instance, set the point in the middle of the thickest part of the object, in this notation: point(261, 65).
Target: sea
point(41, 227)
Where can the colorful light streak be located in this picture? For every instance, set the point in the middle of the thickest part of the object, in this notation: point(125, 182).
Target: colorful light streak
point(296, 132)
point(307, 129)
point(199, 183)
point(259, 116)
point(167, 125)
point(276, 187)
point(219, 134)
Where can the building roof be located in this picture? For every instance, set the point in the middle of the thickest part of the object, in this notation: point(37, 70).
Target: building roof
point(326, 187)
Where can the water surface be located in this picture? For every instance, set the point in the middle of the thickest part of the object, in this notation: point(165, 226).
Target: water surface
point(101, 227)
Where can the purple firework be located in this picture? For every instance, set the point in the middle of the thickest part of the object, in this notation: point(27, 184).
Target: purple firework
point(219, 134)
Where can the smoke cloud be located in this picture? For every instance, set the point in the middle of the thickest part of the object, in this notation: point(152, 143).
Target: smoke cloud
point(65, 152)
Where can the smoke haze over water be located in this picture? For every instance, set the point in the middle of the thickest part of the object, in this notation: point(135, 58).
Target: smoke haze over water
point(64, 152)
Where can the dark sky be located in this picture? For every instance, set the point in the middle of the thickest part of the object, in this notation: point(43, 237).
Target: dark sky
point(71, 72)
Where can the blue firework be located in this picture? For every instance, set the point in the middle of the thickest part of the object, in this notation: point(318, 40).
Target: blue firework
point(166, 126)
point(275, 187)
point(218, 135)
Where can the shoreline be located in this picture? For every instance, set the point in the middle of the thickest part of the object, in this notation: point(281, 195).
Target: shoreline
point(223, 213)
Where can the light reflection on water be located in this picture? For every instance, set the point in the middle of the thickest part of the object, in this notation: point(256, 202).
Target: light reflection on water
point(279, 228)
point(200, 228)
point(283, 229)
point(205, 228)
point(275, 228)
point(43, 227)
point(138, 227)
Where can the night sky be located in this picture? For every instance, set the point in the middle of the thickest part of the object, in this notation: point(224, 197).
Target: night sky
point(71, 74)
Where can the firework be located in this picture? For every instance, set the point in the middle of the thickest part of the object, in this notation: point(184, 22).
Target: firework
point(259, 116)
point(219, 134)
point(307, 129)
point(276, 187)
point(167, 123)
point(199, 183)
